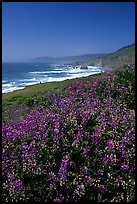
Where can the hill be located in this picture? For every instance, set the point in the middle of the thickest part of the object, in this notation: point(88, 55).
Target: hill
point(125, 55)
point(69, 59)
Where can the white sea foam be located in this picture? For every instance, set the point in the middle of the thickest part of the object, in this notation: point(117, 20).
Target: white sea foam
point(11, 89)
point(7, 85)
point(51, 79)
point(27, 84)
point(32, 83)
point(59, 69)
point(38, 72)
point(48, 72)
point(4, 81)
point(69, 76)
point(33, 79)
point(58, 72)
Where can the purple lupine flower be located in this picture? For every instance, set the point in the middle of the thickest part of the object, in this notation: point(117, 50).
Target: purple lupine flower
point(63, 169)
point(52, 180)
point(86, 151)
point(81, 186)
point(120, 180)
point(88, 180)
point(110, 145)
point(87, 135)
point(107, 91)
point(15, 183)
point(75, 197)
point(85, 116)
point(101, 189)
point(95, 139)
point(125, 166)
point(84, 171)
point(93, 163)
point(113, 121)
point(19, 185)
point(78, 135)
point(59, 198)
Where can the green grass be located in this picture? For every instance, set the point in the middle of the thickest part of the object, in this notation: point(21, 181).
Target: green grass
point(120, 57)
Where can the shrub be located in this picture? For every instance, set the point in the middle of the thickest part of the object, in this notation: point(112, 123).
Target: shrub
point(79, 146)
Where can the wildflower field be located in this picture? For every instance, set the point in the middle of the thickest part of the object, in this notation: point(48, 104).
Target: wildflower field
point(73, 145)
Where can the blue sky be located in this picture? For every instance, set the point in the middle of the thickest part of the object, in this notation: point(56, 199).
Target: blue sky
point(34, 29)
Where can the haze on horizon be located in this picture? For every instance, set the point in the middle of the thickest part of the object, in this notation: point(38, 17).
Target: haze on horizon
point(58, 29)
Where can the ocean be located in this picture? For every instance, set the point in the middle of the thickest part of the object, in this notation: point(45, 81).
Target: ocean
point(18, 75)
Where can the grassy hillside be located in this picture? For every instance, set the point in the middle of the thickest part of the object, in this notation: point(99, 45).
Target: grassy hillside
point(126, 51)
point(122, 56)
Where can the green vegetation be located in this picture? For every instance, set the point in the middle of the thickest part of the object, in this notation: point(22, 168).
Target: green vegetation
point(127, 51)
point(126, 77)
point(74, 142)
point(121, 57)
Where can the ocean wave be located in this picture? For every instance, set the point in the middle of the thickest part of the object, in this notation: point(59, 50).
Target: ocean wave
point(38, 72)
point(32, 83)
point(6, 85)
point(27, 84)
point(52, 79)
point(4, 81)
point(69, 76)
point(10, 88)
point(58, 69)
point(6, 90)
point(33, 79)
point(9, 84)
point(48, 72)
